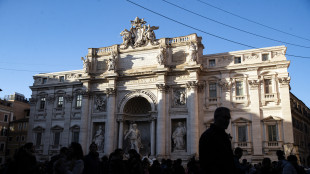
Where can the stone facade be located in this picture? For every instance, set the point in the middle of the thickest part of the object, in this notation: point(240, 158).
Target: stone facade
point(160, 84)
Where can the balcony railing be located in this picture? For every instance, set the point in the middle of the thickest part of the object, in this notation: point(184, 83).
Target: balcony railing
point(273, 144)
point(244, 144)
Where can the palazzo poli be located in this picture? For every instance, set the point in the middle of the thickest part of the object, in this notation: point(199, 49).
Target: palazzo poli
point(159, 95)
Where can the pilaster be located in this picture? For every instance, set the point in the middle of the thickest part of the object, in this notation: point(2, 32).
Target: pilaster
point(85, 115)
point(110, 135)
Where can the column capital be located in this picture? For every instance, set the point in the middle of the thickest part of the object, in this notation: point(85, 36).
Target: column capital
point(86, 93)
point(111, 91)
point(162, 87)
point(192, 84)
point(284, 81)
point(254, 84)
point(225, 85)
point(33, 100)
point(50, 99)
point(69, 98)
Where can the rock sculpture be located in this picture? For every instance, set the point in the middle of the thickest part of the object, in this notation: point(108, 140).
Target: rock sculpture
point(134, 136)
point(178, 137)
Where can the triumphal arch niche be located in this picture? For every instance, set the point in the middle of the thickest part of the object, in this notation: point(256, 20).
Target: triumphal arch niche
point(143, 94)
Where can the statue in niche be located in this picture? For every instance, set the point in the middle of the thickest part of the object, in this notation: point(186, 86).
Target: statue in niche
point(111, 62)
point(178, 137)
point(86, 64)
point(192, 50)
point(100, 103)
point(180, 97)
point(161, 56)
point(134, 136)
point(99, 138)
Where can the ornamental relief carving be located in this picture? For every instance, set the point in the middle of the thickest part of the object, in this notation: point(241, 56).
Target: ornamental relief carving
point(179, 97)
point(100, 102)
point(50, 99)
point(225, 85)
point(111, 91)
point(162, 87)
point(68, 98)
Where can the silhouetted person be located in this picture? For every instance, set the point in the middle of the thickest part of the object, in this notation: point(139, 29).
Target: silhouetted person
point(192, 167)
point(240, 169)
point(284, 166)
point(215, 153)
point(266, 167)
point(62, 154)
point(73, 164)
point(24, 161)
point(155, 168)
point(134, 162)
point(104, 164)
point(116, 163)
point(178, 168)
point(92, 161)
point(294, 161)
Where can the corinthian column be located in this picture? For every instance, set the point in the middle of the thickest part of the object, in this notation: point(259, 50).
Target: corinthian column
point(161, 120)
point(110, 124)
point(193, 117)
point(84, 121)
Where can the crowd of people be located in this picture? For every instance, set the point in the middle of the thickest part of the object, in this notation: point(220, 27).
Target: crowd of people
point(215, 157)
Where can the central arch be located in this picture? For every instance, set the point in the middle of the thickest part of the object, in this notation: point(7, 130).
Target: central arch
point(137, 106)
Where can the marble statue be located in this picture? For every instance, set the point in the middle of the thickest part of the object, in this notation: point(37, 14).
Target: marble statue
point(182, 98)
point(139, 34)
point(99, 138)
point(192, 52)
point(178, 137)
point(126, 37)
point(111, 62)
point(134, 136)
point(86, 64)
point(150, 35)
point(161, 56)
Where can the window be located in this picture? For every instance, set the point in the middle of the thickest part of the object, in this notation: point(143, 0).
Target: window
point(75, 136)
point(20, 126)
point(42, 103)
point(1, 147)
point(56, 138)
point(242, 133)
point(3, 131)
point(5, 118)
point(237, 60)
point(212, 62)
point(22, 138)
point(10, 138)
point(268, 86)
point(61, 78)
point(272, 133)
point(265, 57)
point(79, 101)
point(60, 101)
point(38, 138)
point(239, 88)
point(44, 80)
point(17, 138)
point(25, 126)
point(212, 90)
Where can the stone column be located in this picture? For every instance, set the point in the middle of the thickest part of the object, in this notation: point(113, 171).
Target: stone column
point(120, 133)
point(66, 130)
point(85, 115)
point(192, 105)
point(153, 133)
point(161, 120)
point(284, 92)
point(47, 136)
point(111, 121)
point(254, 93)
point(33, 102)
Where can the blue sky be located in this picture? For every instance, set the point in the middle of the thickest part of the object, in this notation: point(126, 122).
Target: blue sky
point(38, 36)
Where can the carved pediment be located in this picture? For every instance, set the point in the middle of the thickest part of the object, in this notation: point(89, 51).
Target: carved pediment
point(241, 120)
point(272, 119)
